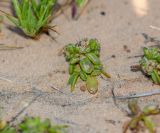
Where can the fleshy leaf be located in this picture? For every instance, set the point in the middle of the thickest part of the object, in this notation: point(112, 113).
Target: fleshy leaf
point(92, 84)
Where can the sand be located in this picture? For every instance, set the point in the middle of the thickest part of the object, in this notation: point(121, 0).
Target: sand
point(36, 70)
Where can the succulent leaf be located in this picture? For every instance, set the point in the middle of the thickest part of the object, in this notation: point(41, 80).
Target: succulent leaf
point(92, 84)
point(73, 80)
point(83, 76)
point(86, 65)
point(93, 58)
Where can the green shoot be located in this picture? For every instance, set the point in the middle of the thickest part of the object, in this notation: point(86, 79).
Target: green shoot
point(81, 3)
point(141, 118)
point(84, 63)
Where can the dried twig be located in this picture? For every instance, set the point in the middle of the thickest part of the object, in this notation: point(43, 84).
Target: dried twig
point(154, 27)
point(138, 95)
point(24, 108)
point(5, 79)
point(135, 56)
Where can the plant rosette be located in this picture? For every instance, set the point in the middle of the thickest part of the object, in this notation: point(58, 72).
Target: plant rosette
point(84, 63)
point(32, 125)
point(150, 64)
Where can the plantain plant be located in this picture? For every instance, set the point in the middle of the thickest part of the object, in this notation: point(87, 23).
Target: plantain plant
point(141, 117)
point(150, 64)
point(84, 63)
point(32, 16)
point(32, 125)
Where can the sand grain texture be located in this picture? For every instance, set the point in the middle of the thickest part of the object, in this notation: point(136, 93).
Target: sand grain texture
point(37, 67)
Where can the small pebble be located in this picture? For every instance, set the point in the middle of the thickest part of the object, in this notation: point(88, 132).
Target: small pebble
point(83, 88)
point(103, 13)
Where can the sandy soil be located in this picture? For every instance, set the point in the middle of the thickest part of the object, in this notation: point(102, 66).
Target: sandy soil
point(33, 71)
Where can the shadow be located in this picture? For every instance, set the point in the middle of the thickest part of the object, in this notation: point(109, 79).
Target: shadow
point(17, 31)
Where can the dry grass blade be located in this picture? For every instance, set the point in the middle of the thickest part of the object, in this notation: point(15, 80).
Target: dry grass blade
point(5, 47)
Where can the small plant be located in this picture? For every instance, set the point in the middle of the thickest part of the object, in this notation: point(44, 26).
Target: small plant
point(77, 4)
point(140, 118)
point(32, 16)
point(150, 64)
point(80, 3)
point(32, 125)
point(84, 63)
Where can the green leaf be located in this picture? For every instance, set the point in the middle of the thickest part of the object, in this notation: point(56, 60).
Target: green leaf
point(93, 58)
point(152, 54)
point(151, 109)
point(94, 45)
point(96, 72)
point(35, 7)
point(71, 69)
point(83, 76)
point(73, 80)
point(77, 68)
point(81, 3)
point(58, 129)
point(86, 65)
point(149, 124)
point(17, 7)
point(92, 84)
point(155, 77)
point(70, 48)
point(8, 129)
point(34, 125)
point(74, 61)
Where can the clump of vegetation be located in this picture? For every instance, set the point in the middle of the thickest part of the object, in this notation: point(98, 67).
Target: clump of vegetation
point(150, 64)
point(140, 119)
point(84, 63)
point(32, 125)
point(32, 16)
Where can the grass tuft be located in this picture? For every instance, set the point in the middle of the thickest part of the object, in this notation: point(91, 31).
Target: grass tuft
point(32, 16)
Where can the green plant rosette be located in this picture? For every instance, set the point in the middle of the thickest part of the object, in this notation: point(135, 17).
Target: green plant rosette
point(150, 64)
point(33, 125)
point(84, 63)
